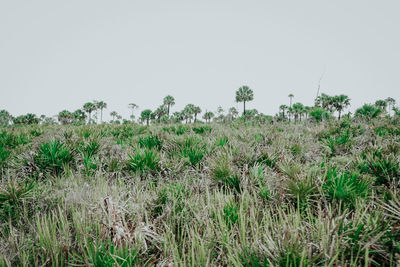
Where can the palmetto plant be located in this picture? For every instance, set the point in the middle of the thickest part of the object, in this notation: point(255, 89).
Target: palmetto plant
point(144, 161)
point(52, 157)
point(11, 197)
point(169, 101)
point(345, 187)
point(244, 94)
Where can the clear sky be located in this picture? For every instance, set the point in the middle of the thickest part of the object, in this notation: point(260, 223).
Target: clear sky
point(58, 55)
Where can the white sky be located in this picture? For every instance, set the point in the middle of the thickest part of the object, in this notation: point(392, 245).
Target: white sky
point(58, 55)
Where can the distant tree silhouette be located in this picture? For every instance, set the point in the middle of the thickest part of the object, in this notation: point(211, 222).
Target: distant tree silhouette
point(169, 101)
point(244, 94)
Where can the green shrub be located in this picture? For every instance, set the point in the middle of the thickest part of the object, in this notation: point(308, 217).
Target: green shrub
point(222, 141)
point(195, 155)
point(222, 173)
point(345, 187)
point(52, 157)
point(301, 191)
point(4, 154)
point(110, 255)
point(202, 130)
point(143, 161)
point(12, 197)
point(231, 214)
point(150, 142)
point(383, 167)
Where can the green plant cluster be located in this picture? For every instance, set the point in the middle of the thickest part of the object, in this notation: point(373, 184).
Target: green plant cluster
point(311, 193)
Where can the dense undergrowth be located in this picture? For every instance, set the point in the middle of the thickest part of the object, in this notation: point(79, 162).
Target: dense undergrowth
point(281, 194)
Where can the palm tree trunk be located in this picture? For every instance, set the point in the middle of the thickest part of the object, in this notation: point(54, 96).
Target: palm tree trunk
point(339, 115)
point(101, 115)
point(244, 107)
point(168, 109)
point(147, 122)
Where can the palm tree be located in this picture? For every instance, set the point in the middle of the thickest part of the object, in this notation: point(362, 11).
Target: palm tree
point(132, 106)
point(340, 102)
point(160, 111)
point(368, 112)
point(101, 105)
point(146, 115)
point(382, 104)
point(290, 97)
point(283, 108)
point(169, 101)
point(244, 94)
point(177, 116)
point(298, 110)
point(188, 112)
point(79, 115)
point(65, 117)
point(233, 112)
point(290, 113)
point(208, 116)
point(390, 102)
point(89, 107)
point(196, 110)
point(113, 114)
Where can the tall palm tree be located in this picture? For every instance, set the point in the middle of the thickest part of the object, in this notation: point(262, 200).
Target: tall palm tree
point(113, 114)
point(146, 116)
point(298, 110)
point(340, 102)
point(196, 110)
point(244, 94)
point(291, 98)
point(283, 108)
point(188, 112)
point(89, 107)
point(101, 105)
point(169, 101)
point(132, 106)
point(390, 102)
point(208, 116)
point(160, 111)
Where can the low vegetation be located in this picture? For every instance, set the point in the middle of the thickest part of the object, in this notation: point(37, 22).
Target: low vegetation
point(243, 193)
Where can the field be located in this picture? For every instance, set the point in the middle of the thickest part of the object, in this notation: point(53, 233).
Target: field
point(275, 194)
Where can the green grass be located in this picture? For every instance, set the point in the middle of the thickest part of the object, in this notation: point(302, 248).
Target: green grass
point(240, 194)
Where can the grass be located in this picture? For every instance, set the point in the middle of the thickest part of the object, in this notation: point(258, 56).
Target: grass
point(282, 194)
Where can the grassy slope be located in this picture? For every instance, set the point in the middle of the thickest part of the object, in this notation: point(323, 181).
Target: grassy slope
point(269, 195)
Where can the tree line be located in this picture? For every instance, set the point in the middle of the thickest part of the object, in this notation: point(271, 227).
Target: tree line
point(325, 107)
